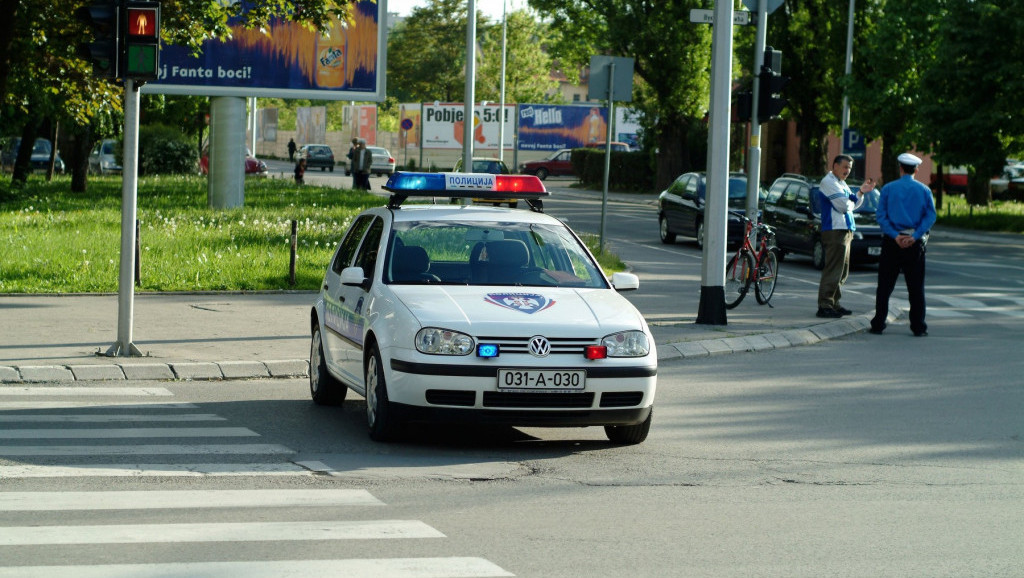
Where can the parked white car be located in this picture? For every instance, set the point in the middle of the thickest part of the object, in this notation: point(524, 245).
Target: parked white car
point(103, 159)
point(475, 313)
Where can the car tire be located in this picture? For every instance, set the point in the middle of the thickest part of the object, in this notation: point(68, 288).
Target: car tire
point(323, 387)
point(629, 434)
point(818, 254)
point(663, 232)
point(700, 234)
point(380, 417)
point(542, 173)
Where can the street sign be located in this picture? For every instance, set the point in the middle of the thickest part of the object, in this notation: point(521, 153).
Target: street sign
point(853, 143)
point(772, 5)
point(622, 81)
point(739, 17)
point(406, 124)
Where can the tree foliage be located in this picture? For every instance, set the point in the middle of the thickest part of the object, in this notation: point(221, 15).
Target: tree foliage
point(671, 64)
point(427, 53)
point(528, 65)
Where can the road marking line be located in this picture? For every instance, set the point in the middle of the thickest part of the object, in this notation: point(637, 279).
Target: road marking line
point(73, 391)
point(216, 532)
point(142, 450)
point(12, 405)
point(454, 567)
point(107, 417)
point(127, 433)
point(155, 470)
point(160, 499)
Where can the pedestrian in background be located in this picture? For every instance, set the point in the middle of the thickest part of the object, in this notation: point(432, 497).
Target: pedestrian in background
point(906, 213)
point(837, 203)
point(363, 160)
point(291, 149)
point(352, 162)
point(300, 172)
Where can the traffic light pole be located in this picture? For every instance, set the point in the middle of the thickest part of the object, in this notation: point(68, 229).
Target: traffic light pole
point(129, 208)
point(754, 153)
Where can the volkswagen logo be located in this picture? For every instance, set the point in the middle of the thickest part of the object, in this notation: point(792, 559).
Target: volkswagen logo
point(539, 346)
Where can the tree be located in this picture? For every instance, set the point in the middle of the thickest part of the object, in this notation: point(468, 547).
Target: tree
point(970, 105)
point(671, 63)
point(528, 66)
point(427, 53)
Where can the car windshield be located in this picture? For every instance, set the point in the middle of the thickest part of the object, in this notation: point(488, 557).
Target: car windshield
point(489, 253)
point(870, 204)
point(42, 147)
point(108, 148)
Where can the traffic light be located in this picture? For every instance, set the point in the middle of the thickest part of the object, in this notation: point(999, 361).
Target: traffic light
point(104, 51)
point(742, 102)
point(142, 40)
point(769, 100)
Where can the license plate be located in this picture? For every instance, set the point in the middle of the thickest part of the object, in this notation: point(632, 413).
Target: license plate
point(547, 379)
point(874, 251)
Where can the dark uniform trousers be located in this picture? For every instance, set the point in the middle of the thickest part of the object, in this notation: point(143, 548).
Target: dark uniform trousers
point(892, 262)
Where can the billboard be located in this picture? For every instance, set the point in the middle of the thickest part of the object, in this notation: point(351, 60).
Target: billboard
point(443, 125)
point(409, 123)
point(284, 61)
point(550, 127)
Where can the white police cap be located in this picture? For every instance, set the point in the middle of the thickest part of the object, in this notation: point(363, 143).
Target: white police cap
point(908, 159)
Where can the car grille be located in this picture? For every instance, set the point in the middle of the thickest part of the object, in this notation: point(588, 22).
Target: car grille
point(559, 345)
point(531, 399)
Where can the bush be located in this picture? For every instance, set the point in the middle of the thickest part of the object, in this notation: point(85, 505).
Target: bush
point(628, 171)
point(165, 150)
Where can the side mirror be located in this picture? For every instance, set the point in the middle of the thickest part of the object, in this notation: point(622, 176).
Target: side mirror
point(354, 277)
point(625, 282)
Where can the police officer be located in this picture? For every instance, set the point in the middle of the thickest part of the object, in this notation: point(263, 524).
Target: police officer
point(906, 212)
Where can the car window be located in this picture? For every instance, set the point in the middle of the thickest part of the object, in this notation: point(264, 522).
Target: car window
point(564, 156)
point(367, 255)
point(737, 188)
point(108, 148)
point(350, 243)
point(803, 194)
point(775, 191)
point(497, 253)
point(788, 198)
point(690, 185)
point(42, 147)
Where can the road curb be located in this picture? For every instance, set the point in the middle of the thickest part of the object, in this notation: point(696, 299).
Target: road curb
point(178, 371)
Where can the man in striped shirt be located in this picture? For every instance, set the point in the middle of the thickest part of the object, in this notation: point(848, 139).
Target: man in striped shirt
point(837, 203)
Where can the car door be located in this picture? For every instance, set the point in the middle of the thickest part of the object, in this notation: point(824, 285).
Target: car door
point(562, 164)
point(342, 307)
point(806, 224)
point(783, 215)
point(691, 204)
point(672, 203)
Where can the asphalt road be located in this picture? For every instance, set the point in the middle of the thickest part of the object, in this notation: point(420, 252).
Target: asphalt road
point(862, 456)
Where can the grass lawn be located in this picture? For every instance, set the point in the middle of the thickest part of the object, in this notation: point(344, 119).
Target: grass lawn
point(56, 241)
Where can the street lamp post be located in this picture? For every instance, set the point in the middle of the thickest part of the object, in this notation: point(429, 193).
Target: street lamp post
point(501, 108)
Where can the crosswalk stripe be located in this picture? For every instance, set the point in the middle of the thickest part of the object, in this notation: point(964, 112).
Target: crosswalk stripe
point(127, 432)
point(86, 391)
point(170, 499)
point(216, 532)
point(454, 567)
point(142, 450)
point(155, 470)
point(107, 418)
point(19, 405)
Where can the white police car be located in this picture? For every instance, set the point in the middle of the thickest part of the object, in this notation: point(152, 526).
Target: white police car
point(456, 313)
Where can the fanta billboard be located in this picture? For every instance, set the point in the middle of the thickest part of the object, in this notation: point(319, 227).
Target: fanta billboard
point(546, 127)
point(286, 61)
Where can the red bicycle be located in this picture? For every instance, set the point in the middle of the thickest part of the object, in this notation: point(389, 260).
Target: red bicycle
point(760, 266)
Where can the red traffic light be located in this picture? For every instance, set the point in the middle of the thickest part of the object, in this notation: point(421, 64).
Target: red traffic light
point(143, 21)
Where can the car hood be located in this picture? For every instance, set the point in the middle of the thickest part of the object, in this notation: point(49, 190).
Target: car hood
point(520, 311)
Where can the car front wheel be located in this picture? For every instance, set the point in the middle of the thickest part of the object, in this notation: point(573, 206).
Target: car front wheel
point(629, 434)
point(663, 232)
point(818, 255)
point(323, 387)
point(379, 416)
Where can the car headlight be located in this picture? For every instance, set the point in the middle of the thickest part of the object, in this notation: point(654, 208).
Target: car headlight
point(435, 341)
point(627, 344)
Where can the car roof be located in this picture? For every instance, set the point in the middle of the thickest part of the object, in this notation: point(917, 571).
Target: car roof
point(469, 213)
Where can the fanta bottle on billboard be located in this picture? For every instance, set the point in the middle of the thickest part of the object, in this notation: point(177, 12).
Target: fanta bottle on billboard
point(330, 56)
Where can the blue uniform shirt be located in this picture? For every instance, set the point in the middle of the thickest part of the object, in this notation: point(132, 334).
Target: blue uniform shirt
point(906, 205)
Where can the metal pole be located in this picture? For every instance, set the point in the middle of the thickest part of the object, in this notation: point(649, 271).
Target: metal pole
point(607, 153)
point(711, 309)
point(129, 195)
point(501, 115)
point(467, 125)
point(754, 154)
point(849, 70)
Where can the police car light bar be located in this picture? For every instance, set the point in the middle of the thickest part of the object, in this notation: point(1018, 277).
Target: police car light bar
point(464, 185)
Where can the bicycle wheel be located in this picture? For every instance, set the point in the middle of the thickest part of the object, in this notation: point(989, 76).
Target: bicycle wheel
point(767, 274)
point(737, 278)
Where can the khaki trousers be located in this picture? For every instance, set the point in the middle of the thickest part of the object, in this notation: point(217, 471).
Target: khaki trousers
point(837, 267)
